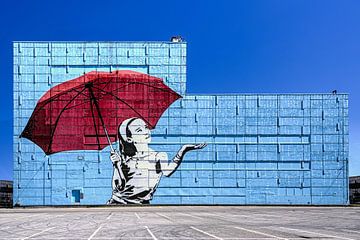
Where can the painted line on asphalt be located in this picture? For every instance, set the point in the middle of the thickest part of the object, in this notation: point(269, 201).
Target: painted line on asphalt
point(166, 217)
point(170, 238)
point(32, 215)
point(152, 235)
point(48, 217)
point(186, 214)
point(94, 233)
point(206, 233)
point(233, 238)
point(108, 217)
point(137, 215)
point(260, 233)
point(36, 234)
point(352, 231)
point(320, 234)
point(255, 217)
point(267, 215)
point(234, 215)
point(227, 218)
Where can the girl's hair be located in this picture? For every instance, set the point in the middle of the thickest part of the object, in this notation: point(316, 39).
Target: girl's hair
point(127, 148)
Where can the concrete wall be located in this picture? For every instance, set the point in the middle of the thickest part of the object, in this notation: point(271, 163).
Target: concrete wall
point(262, 149)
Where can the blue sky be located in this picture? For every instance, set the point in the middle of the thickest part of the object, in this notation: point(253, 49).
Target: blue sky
point(233, 46)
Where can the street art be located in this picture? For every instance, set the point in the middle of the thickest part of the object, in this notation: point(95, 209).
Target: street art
point(84, 114)
point(137, 167)
point(80, 143)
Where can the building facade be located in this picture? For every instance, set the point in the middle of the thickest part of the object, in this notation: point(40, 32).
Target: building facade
point(262, 148)
point(354, 188)
point(6, 193)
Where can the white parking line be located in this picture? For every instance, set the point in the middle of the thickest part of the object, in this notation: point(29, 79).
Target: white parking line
point(249, 216)
point(94, 233)
point(166, 217)
point(186, 214)
point(137, 215)
point(234, 215)
point(152, 235)
point(206, 233)
point(31, 215)
point(352, 231)
point(260, 233)
point(37, 233)
point(109, 216)
point(320, 234)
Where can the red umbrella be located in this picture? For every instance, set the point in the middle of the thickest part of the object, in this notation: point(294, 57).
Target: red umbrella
point(84, 113)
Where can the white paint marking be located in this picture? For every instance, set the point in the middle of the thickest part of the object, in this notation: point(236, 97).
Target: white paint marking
point(36, 234)
point(137, 216)
point(109, 216)
point(352, 231)
point(261, 233)
point(226, 217)
point(33, 215)
point(162, 215)
point(186, 214)
point(267, 215)
point(248, 216)
point(152, 235)
point(320, 234)
point(94, 233)
point(213, 236)
point(232, 238)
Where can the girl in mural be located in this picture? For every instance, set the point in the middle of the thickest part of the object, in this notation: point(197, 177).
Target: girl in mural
point(138, 168)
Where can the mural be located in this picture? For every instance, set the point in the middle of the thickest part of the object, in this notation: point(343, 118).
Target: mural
point(83, 114)
point(262, 148)
point(137, 167)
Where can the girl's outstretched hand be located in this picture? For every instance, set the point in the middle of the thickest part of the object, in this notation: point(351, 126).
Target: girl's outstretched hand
point(190, 147)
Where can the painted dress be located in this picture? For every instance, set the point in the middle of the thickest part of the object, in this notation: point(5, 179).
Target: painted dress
point(142, 174)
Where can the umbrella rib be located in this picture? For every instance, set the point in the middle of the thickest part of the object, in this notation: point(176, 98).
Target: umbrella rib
point(58, 118)
point(99, 98)
point(96, 131)
point(81, 93)
point(158, 88)
point(116, 97)
point(57, 95)
point(169, 90)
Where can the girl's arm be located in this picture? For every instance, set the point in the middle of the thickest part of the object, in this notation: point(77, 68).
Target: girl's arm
point(169, 168)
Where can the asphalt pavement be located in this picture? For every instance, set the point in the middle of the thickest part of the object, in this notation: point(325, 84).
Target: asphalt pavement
point(181, 222)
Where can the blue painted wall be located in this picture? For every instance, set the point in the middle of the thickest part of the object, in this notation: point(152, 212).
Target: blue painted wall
point(263, 149)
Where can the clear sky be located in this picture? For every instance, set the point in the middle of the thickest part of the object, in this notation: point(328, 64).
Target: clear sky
point(234, 46)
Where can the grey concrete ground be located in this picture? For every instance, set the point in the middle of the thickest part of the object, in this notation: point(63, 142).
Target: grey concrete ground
point(181, 222)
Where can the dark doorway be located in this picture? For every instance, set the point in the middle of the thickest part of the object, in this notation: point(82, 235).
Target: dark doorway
point(75, 196)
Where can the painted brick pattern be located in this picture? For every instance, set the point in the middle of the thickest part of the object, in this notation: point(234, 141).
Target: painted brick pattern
point(262, 149)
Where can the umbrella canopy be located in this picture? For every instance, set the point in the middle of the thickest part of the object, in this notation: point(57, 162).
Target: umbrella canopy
point(84, 113)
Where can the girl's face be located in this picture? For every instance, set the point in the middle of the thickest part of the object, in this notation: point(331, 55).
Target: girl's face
point(140, 133)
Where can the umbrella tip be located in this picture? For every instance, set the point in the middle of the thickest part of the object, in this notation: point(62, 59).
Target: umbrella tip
point(89, 85)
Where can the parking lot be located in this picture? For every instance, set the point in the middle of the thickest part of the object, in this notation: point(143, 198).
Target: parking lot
point(181, 222)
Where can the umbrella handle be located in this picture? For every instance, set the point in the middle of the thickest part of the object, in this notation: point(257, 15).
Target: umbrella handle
point(89, 86)
point(108, 138)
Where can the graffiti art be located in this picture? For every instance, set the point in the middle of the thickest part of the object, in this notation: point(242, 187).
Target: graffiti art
point(84, 114)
